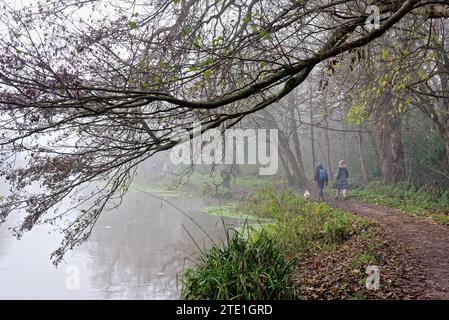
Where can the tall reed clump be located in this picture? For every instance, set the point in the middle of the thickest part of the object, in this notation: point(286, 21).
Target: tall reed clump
point(250, 269)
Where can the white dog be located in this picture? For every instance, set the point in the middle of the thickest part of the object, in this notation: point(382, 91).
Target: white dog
point(306, 195)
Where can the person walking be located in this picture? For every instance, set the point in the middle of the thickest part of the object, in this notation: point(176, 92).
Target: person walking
point(321, 179)
point(341, 180)
point(226, 176)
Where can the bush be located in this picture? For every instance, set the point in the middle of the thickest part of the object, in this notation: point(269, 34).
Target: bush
point(242, 269)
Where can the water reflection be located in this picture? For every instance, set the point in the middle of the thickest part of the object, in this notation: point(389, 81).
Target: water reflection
point(135, 252)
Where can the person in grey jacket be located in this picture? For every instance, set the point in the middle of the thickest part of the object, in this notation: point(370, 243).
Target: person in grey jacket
point(341, 180)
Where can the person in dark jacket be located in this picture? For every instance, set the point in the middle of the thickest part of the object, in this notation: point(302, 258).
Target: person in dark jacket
point(227, 174)
point(321, 179)
point(341, 180)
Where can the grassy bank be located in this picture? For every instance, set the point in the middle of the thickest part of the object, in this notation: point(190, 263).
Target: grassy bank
point(207, 185)
point(158, 189)
point(406, 198)
point(229, 210)
point(257, 261)
point(303, 226)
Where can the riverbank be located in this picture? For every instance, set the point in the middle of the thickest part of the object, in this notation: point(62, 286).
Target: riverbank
point(208, 186)
point(331, 249)
point(331, 246)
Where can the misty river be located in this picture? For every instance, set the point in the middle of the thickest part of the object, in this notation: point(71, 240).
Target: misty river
point(134, 252)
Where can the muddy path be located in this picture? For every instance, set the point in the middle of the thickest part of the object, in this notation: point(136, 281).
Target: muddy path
point(426, 242)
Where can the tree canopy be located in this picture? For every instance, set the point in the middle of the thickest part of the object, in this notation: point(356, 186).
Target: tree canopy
point(88, 90)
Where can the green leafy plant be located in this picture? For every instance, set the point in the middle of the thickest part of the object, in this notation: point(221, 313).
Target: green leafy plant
point(337, 227)
point(241, 269)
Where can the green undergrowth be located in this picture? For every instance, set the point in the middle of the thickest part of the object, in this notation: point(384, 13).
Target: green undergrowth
point(407, 198)
point(256, 262)
point(303, 226)
point(207, 185)
point(234, 210)
point(230, 210)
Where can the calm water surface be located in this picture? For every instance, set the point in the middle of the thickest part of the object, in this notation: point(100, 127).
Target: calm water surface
point(134, 252)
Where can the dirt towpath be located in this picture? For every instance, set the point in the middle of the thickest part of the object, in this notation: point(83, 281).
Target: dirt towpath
point(427, 244)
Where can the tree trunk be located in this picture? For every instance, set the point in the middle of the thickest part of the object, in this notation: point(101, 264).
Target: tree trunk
point(362, 162)
point(343, 143)
point(296, 173)
point(293, 168)
point(312, 134)
point(388, 136)
point(288, 174)
point(446, 138)
point(443, 130)
point(297, 176)
point(302, 179)
point(376, 150)
point(328, 148)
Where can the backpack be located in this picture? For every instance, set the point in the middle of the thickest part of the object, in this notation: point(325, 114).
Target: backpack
point(322, 174)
